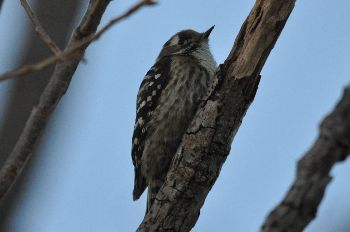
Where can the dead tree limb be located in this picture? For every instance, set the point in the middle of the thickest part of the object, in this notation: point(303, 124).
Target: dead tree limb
point(299, 206)
point(207, 142)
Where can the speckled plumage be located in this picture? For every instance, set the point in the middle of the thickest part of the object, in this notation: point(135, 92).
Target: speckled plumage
point(167, 101)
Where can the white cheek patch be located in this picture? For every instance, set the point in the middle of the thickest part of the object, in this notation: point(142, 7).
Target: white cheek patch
point(174, 41)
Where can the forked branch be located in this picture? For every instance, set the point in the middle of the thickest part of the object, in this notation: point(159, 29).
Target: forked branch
point(82, 36)
point(40, 30)
point(68, 53)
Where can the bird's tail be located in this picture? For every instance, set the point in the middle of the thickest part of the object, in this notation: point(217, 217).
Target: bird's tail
point(139, 184)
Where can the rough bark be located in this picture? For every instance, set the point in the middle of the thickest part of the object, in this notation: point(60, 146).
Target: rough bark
point(207, 142)
point(300, 204)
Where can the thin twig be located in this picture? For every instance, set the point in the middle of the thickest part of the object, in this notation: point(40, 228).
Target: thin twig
point(69, 53)
point(126, 14)
point(40, 30)
point(51, 95)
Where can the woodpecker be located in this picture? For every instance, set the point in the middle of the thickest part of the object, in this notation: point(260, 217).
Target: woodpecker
point(167, 100)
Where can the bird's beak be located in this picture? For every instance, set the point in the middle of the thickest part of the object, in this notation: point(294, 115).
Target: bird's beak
point(205, 35)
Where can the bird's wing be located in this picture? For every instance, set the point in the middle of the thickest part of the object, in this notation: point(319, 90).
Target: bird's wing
point(147, 99)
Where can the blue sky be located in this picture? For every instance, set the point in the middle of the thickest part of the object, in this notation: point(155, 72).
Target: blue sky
point(84, 176)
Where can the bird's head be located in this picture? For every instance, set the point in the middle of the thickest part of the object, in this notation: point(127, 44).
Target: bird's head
point(186, 42)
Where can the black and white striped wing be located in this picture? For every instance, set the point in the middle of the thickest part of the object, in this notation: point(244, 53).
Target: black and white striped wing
point(147, 100)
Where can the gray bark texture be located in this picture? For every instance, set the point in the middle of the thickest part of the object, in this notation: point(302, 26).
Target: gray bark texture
point(207, 142)
point(300, 204)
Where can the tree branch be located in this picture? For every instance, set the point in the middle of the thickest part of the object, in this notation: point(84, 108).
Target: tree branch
point(207, 142)
point(69, 53)
point(40, 30)
point(82, 36)
point(299, 206)
point(51, 95)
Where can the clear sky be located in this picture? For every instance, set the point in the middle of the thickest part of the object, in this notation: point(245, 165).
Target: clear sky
point(84, 178)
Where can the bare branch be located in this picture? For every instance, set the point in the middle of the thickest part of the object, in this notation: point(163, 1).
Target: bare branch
point(299, 206)
point(50, 97)
point(126, 14)
point(82, 36)
point(68, 54)
point(40, 30)
point(29, 68)
point(207, 143)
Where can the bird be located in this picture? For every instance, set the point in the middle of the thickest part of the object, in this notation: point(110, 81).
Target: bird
point(167, 100)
